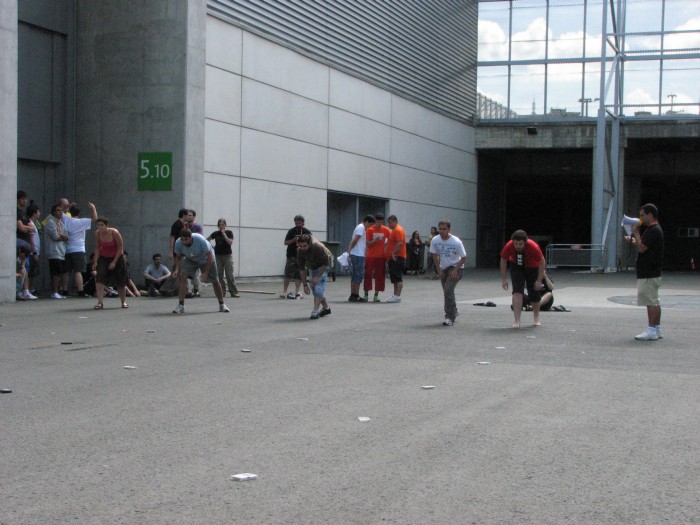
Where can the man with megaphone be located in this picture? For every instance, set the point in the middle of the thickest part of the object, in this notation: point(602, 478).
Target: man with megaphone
point(648, 238)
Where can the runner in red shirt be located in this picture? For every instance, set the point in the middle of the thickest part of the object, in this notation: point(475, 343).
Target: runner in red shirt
point(527, 266)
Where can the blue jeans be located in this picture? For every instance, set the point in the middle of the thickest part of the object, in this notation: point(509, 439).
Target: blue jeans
point(319, 290)
point(357, 265)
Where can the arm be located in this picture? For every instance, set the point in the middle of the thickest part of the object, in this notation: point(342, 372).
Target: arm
point(396, 249)
point(165, 276)
point(457, 268)
point(93, 212)
point(504, 274)
point(636, 240)
point(149, 277)
point(120, 248)
point(353, 242)
point(227, 238)
point(540, 274)
point(172, 247)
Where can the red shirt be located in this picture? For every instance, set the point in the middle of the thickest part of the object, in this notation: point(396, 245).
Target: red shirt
point(397, 235)
point(530, 257)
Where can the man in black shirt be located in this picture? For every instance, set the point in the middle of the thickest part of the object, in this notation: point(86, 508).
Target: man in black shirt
point(290, 268)
point(649, 240)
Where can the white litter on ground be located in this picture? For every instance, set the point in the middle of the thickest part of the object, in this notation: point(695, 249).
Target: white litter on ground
point(246, 476)
point(364, 419)
point(484, 363)
point(428, 387)
point(245, 350)
point(129, 368)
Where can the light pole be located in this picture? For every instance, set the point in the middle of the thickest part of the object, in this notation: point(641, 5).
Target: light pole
point(586, 101)
point(672, 97)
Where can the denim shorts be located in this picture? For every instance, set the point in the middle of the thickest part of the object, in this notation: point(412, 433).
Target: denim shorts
point(320, 289)
point(357, 265)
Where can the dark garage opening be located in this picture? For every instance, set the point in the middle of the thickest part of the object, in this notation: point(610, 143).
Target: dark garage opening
point(545, 192)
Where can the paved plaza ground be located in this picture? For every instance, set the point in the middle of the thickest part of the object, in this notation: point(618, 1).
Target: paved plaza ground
point(573, 422)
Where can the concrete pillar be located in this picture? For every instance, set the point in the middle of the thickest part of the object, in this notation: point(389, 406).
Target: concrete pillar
point(8, 147)
point(141, 70)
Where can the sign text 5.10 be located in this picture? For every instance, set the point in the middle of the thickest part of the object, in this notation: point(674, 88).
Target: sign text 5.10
point(155, 171)
point(158, 171)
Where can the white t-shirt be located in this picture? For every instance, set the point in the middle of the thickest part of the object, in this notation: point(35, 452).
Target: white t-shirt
point(361, 246)
point(450, 251)
point(75, 229)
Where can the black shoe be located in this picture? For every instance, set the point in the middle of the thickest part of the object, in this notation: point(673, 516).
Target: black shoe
point(354, 298)
point(189, 295)
point(196, 294)
point(361, 299)
point(324, 312)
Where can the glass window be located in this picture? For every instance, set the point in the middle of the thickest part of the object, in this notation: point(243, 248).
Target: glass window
point(566, 31)
point(493, 31)
point(529, 30)
point(641, 86)
point(492, 84)
point(527, 89)
point(680, 79)
point(564, 88)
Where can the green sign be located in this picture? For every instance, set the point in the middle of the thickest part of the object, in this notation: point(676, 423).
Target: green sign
point(155, 171)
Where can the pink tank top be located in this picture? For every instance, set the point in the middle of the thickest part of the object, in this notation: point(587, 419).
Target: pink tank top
point(108, 249)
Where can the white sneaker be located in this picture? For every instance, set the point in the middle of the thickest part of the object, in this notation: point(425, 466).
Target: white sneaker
point(646, 335)
point(448, 322)
point(393, 299)
point(27, 295)
point(223, 308)
point(57, 296)
point(659, 332)
point(179, 309)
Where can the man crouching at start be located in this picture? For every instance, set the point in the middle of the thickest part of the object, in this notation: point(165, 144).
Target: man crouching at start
point(315, 256)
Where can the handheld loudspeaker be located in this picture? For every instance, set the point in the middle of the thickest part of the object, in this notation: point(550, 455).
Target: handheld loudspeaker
point(630, 222)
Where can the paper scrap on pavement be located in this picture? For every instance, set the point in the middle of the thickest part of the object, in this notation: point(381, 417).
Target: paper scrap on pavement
point(303, 338)
point(245, 350)
point(364, 419)
point(484, 363)
point(246, 476)
point(129, 368)
point(500, 348)
point(428, 387)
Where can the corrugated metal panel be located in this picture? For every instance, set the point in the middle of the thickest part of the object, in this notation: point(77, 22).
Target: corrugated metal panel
point(421, 49)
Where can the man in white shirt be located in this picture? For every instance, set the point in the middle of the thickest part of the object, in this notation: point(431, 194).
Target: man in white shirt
point(449, 256)
point(356, 250)
point(75, 227)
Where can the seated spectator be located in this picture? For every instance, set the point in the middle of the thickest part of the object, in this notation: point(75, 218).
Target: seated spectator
point(131, 289)
point(156, 274)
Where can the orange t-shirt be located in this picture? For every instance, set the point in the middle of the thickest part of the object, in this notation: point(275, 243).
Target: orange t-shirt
point(397, 235)
point(377, 249)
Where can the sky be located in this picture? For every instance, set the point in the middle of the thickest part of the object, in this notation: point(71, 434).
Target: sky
point(567, 83)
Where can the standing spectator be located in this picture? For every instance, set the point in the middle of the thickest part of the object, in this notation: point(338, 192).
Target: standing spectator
point(109, 262)
point(192, 225)
point(193, 252)
point(413, 252)
point(75, 227)
point(33, 214)
point(430, 264)
point(155, 274)
point(23, 254)
point(527, 266)
point(25, 238)
point(357, 250)
point(449, 256)
point(375, 263)
point(396, 257)
point(649, 240)
point(223, 253)
point(175, 230)
point(56, 250)
point(315, 256)
point(291, 272)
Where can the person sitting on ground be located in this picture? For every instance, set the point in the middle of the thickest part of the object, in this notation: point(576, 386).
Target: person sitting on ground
point(131, 288)
point(156, 274)
point(547, 299)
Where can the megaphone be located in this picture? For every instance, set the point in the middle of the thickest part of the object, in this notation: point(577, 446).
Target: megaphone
point(630, 222)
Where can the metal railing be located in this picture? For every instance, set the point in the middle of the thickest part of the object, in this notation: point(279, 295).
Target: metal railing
point(575, 255)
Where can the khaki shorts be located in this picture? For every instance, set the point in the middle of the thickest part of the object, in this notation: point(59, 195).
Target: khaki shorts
point(648, 291)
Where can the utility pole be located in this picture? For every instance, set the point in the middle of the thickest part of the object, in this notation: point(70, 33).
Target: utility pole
point(672, 97)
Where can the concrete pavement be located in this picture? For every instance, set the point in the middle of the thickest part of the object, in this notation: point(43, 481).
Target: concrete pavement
point(572, 422)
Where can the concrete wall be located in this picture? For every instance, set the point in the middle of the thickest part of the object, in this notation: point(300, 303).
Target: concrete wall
point(140, 86)
point(282, 130)
point(8, 147)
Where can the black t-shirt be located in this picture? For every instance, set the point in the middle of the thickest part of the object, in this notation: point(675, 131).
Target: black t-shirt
point(22, 216)
point(221, 247)
point(175, 230)
point(649, 263)
point(293, 232)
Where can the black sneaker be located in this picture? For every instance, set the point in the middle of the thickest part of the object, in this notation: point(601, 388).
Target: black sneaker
point(324, 312)
point(354, 298)
point(196, 294)
point(188, 295)
point(361, 299)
